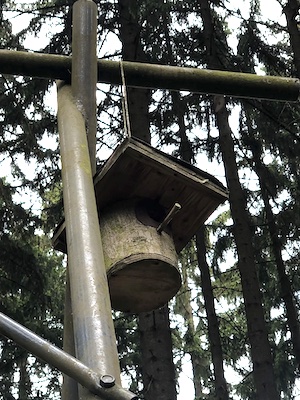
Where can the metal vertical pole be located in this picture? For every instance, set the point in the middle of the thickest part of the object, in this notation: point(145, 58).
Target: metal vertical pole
point(84, 68)
point(84, 80)
point(95, 342)
point(69, 387)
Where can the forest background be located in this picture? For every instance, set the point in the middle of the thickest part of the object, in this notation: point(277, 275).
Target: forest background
point(237, 310)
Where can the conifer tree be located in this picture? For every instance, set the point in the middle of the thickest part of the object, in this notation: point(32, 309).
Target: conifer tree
point(221, 389)
point(291, 11)
point(155, 334)
point(263, 372)
point(286, 289)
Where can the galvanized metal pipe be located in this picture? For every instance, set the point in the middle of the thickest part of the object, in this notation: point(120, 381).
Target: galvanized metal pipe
point(60, 360)
point(95, 339)
point(84, 68)
point(154, 76)
point(69, 388)
point(84, 79)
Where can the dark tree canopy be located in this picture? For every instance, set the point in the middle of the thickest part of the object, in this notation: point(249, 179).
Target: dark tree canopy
point(240, 272)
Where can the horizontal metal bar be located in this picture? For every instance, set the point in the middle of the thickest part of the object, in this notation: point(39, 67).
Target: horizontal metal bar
point(154, 76)
point(61, 360)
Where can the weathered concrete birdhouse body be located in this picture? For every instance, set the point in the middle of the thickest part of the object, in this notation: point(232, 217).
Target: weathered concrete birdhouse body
point(135, 190)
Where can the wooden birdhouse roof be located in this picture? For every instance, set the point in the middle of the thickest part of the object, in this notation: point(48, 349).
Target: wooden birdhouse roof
point(135, 169)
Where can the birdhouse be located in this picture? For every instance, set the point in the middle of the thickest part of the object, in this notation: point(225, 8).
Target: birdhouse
point(150, 205)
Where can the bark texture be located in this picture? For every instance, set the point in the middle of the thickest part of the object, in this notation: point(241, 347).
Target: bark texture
point(186, 153)
point(158, 369)
point(285, 287)
point(191, 344)
point(263, 372)
point(291, 11)
point(157, 359)
point(138, 99)
point(24, 384)
point(221, 390)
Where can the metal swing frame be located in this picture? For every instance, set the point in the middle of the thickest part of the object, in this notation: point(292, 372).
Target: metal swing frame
point(88, 327)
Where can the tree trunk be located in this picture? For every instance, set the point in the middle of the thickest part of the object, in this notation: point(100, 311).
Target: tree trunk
point(186, 153)
point(257, 331)
point(263, 373)
point(24, 385)
point(221, 390)
point(158, 369)
point(138, 99)
point(291, 11)
point(213, 326)
point(286, 289)
point(185, 148)
point(191, 345)
point(157, 360)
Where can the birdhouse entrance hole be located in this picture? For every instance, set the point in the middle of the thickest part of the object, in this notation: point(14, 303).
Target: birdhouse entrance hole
point(150, 212)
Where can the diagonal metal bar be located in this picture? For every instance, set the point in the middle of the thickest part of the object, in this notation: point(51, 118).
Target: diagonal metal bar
point(61, 360)
point(155, 76)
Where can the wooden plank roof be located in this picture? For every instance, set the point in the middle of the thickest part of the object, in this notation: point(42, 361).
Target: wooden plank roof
point(135, 169)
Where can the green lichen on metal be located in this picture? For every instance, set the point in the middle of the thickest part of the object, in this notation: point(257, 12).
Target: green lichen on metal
point(84, 163)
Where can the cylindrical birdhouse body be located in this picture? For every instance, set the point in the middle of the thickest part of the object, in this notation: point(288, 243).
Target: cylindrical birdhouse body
point(141, 263)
